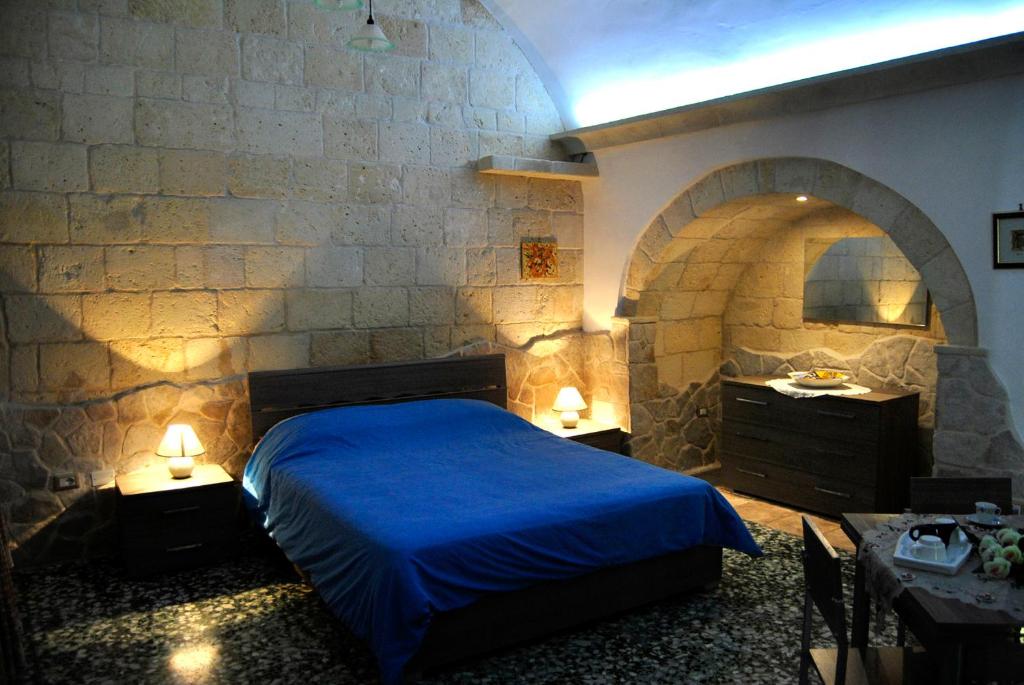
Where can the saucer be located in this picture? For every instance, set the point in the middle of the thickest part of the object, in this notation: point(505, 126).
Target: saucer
point(994, 523)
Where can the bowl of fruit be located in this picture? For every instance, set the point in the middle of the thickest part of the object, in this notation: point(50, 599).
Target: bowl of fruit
point(820, 378)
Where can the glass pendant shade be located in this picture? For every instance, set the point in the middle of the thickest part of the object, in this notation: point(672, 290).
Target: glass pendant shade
point(369, 38)
point(340, 4)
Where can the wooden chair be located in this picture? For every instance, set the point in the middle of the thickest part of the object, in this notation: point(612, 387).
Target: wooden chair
point(844, 664)
point(958, 495)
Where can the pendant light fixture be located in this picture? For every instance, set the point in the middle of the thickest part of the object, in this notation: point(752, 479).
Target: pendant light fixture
point(340, 4)
point(369, 38)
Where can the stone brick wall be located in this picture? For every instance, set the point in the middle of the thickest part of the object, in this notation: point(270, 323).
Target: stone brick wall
point(191, 190)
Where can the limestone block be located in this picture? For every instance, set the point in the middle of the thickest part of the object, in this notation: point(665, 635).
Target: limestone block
point(334, 267)
point(530, 93)
point(189, 271)
point(295, 98)
point(242, 221)
point(417, 225)
point(73, 36)
point(5, 166)
point(754, 337)
point(255, 16)
point(446, 114)
point(492, 143)
point(281, 351)
point(451, 43)
point(338, 69)
point(97, 119)
point(878, 203)
point(946, 282)
point(340, 348)
point(346, 138)
point(209, 53)
point(473, 305)
point(681, 336)
point(513, 192)
point(524, 304)
point(452, 147)
point(241, 312)
point(39, 318)
point(760, 280)
point(396, 344)
point(404, 143)
point(481, 268)
point(440, 266)
point(381, 307)
point(274, 267)
point(788, 313)
point(406, 110)
point(157, 84)
point(116, 316)
point(192, 172)
point(123, 169)
point(70, 366)
point(306, 223)
point(110, 80)
point(253, 94)
point(388, 265)
point(205, 88)
point(322, 180)
point(560, 196)
point(175, 220)
point(465, 335)
point(310, 309)
point(508, 266)
point(258, 177)
point(426, 186)
point(23, 31)
point(70, 269)
point(14, 73)
point(431, 306)
point(140, 267)
point(392, 76)
point(138, 44)
point(24, 369)
point(465, 227)
point(448, 83)
point(308, 23)
point(33, 217)
point(18, 273)
point(471, 189)
point(164, 123)
point(211, 358)
point(49, 166)
point(491, 88)
point(266, 132)
point(568, 229)
point(710, 333)
point(544, 123)
point(960, 323)
point(512, 122)
point(374, 184)
point(224, 267)
point(362, 225)
point(192, 13)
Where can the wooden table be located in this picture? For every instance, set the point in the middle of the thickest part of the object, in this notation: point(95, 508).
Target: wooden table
point(947, 628)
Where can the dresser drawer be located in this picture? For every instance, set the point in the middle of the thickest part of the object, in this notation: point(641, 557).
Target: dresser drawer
point(610, 440)
point(839, 459)
point(826, 417)
point(801, 489)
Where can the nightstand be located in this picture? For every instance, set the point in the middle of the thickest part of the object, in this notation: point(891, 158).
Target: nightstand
point(169, 524)
point(603, 436)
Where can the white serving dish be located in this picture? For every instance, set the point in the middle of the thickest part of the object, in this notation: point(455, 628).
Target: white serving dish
point(802, 378)
point(957, 552)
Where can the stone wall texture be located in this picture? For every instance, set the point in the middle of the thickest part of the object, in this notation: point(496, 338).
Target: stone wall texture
point(192, 190)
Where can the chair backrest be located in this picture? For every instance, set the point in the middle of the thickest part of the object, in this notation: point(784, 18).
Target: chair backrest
point(958, 495)
point(824, 581)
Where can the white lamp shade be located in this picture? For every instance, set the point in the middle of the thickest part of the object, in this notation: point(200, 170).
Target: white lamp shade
point(569, 399)
point(180, 441)
point(370, 38)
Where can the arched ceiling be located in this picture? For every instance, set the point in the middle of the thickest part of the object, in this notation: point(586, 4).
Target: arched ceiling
point(606, 60)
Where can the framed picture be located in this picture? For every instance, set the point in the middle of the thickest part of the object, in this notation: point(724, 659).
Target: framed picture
point(539, 258)
point(1008, 240)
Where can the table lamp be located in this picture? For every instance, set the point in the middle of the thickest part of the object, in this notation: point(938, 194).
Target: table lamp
point(570, 403)
point(180, 445)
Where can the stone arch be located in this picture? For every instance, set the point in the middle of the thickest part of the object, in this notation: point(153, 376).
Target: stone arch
point(687, 217)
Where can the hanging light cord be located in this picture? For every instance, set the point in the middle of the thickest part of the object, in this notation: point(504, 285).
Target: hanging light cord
point(370, 20)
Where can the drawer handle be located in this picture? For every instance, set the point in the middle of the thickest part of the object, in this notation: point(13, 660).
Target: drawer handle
point(836, 493)
point(837, 414)
point(759, 438)
point(752, 473)
point(184, 548)
point(760, 403)
point(182, 510)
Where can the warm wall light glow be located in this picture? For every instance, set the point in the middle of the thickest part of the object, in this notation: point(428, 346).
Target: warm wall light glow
point(192, 664)
point(801, 198)
point(632, 92)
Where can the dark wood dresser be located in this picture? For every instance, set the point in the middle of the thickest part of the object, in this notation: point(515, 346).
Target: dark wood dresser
point(603, 436)
point(824, 454)
point(168, 524)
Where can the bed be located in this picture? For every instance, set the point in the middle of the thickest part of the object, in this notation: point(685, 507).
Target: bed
point(436, 525)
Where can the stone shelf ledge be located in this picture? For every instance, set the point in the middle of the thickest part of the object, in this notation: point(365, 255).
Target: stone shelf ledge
point(507, 165)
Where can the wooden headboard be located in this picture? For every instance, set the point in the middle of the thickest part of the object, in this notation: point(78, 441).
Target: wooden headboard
point(276, 395)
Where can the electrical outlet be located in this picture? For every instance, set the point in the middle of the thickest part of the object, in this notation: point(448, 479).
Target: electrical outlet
point(65, 481)
point(702, 411)
point(101, 477)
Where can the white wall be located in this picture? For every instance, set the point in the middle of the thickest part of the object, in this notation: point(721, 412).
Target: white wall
point(957, 153)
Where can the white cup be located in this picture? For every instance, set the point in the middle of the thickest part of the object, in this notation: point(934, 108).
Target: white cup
point(986, 512)
point(929, 548)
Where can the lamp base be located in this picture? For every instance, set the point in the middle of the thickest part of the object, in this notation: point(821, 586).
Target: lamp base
point(180, 467)
point(570, 419)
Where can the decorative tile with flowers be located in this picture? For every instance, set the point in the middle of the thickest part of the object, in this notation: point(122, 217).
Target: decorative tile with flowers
point(539, 258)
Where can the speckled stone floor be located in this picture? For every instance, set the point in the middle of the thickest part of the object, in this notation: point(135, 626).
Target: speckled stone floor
point(250, 620)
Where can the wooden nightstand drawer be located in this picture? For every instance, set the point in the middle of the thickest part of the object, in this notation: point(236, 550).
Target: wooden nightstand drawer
point(610, 440)
point(170, 524)
point(603, 436)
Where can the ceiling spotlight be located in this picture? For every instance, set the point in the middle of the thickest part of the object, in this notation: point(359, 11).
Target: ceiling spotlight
point(340, 4)
point(801, 198)
point(370, 38)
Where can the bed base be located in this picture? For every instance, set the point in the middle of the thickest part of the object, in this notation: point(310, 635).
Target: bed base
point(501, 620)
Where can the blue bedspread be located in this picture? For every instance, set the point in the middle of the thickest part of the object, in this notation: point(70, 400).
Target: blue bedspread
point(400, 511)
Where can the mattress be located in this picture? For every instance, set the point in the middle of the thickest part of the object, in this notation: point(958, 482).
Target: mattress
point(401, 511)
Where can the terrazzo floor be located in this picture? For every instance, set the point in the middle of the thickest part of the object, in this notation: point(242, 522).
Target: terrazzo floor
point(250, 620)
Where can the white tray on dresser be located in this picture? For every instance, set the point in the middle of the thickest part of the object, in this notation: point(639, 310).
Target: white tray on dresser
point(957, 553)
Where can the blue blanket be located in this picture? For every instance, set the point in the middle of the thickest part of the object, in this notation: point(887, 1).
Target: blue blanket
point(400, 511)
